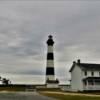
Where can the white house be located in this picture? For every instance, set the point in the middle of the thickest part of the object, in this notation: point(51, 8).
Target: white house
point(85, 76)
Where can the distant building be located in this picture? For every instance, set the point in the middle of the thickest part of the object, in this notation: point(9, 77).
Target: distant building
point(85, 76)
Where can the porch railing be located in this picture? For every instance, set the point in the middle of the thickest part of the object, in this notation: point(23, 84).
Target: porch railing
point(92, 87)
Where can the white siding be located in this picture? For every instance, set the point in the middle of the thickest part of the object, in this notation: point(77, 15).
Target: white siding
point(96, 74)
point(91, 87)
point(76, 79)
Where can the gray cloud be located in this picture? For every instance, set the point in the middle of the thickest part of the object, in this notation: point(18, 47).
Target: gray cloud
point(25, 25)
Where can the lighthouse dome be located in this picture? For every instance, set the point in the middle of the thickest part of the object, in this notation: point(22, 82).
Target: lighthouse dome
point(50, 40)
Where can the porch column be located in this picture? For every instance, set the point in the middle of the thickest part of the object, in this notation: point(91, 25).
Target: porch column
point(87, 84)
point(94, 85)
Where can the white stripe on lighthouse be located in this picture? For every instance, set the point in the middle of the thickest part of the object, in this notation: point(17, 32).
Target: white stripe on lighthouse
point(50, 63)
point(50, 49)
point(50, 77)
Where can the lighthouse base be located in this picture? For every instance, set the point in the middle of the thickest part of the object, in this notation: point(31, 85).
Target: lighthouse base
point(52, 84)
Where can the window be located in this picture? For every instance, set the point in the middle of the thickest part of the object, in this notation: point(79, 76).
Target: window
point(99, 73)
point(97, 82)
point(90, 82)
point(85, 73)
point(85, 83)
point(92, 73)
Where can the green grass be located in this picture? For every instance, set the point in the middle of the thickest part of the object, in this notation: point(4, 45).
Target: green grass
point(11, 89)
point(69, 97)
point(48, 89)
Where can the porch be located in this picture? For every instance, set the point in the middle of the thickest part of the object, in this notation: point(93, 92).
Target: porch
point(91, 83)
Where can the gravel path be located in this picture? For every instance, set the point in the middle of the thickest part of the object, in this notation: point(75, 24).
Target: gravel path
point(22, 96)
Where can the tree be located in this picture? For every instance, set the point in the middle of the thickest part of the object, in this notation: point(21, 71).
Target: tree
point(0, 78)
point(6, 81)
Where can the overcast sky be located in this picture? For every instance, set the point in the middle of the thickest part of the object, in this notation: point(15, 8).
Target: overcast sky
point(24, 29)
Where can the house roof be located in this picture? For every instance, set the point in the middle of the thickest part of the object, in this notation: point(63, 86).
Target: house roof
point(86, 66)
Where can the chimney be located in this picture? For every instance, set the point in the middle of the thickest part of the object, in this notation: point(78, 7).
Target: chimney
point(78, 61)
point(74, 62)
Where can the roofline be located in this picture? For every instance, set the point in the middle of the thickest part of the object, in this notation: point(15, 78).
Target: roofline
point(74, 63)
point(78, 63)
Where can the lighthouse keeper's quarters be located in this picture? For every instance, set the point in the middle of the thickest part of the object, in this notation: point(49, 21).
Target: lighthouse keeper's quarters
point(85, 76)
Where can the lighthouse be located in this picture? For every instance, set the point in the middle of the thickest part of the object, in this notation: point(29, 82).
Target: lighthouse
point(50, 71)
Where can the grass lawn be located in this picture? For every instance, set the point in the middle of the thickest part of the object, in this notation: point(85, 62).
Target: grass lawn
point(69, 97)
point(48, 89)
point(12, 88)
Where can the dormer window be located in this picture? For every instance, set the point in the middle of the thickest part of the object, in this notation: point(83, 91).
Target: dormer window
point(92, 73)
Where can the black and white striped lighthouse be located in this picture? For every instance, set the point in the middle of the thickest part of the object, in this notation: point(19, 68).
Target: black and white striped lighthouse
point(50, 72)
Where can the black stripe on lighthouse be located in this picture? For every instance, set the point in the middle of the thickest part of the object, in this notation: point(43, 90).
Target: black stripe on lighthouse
point(50, 56)
point(50, 71)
